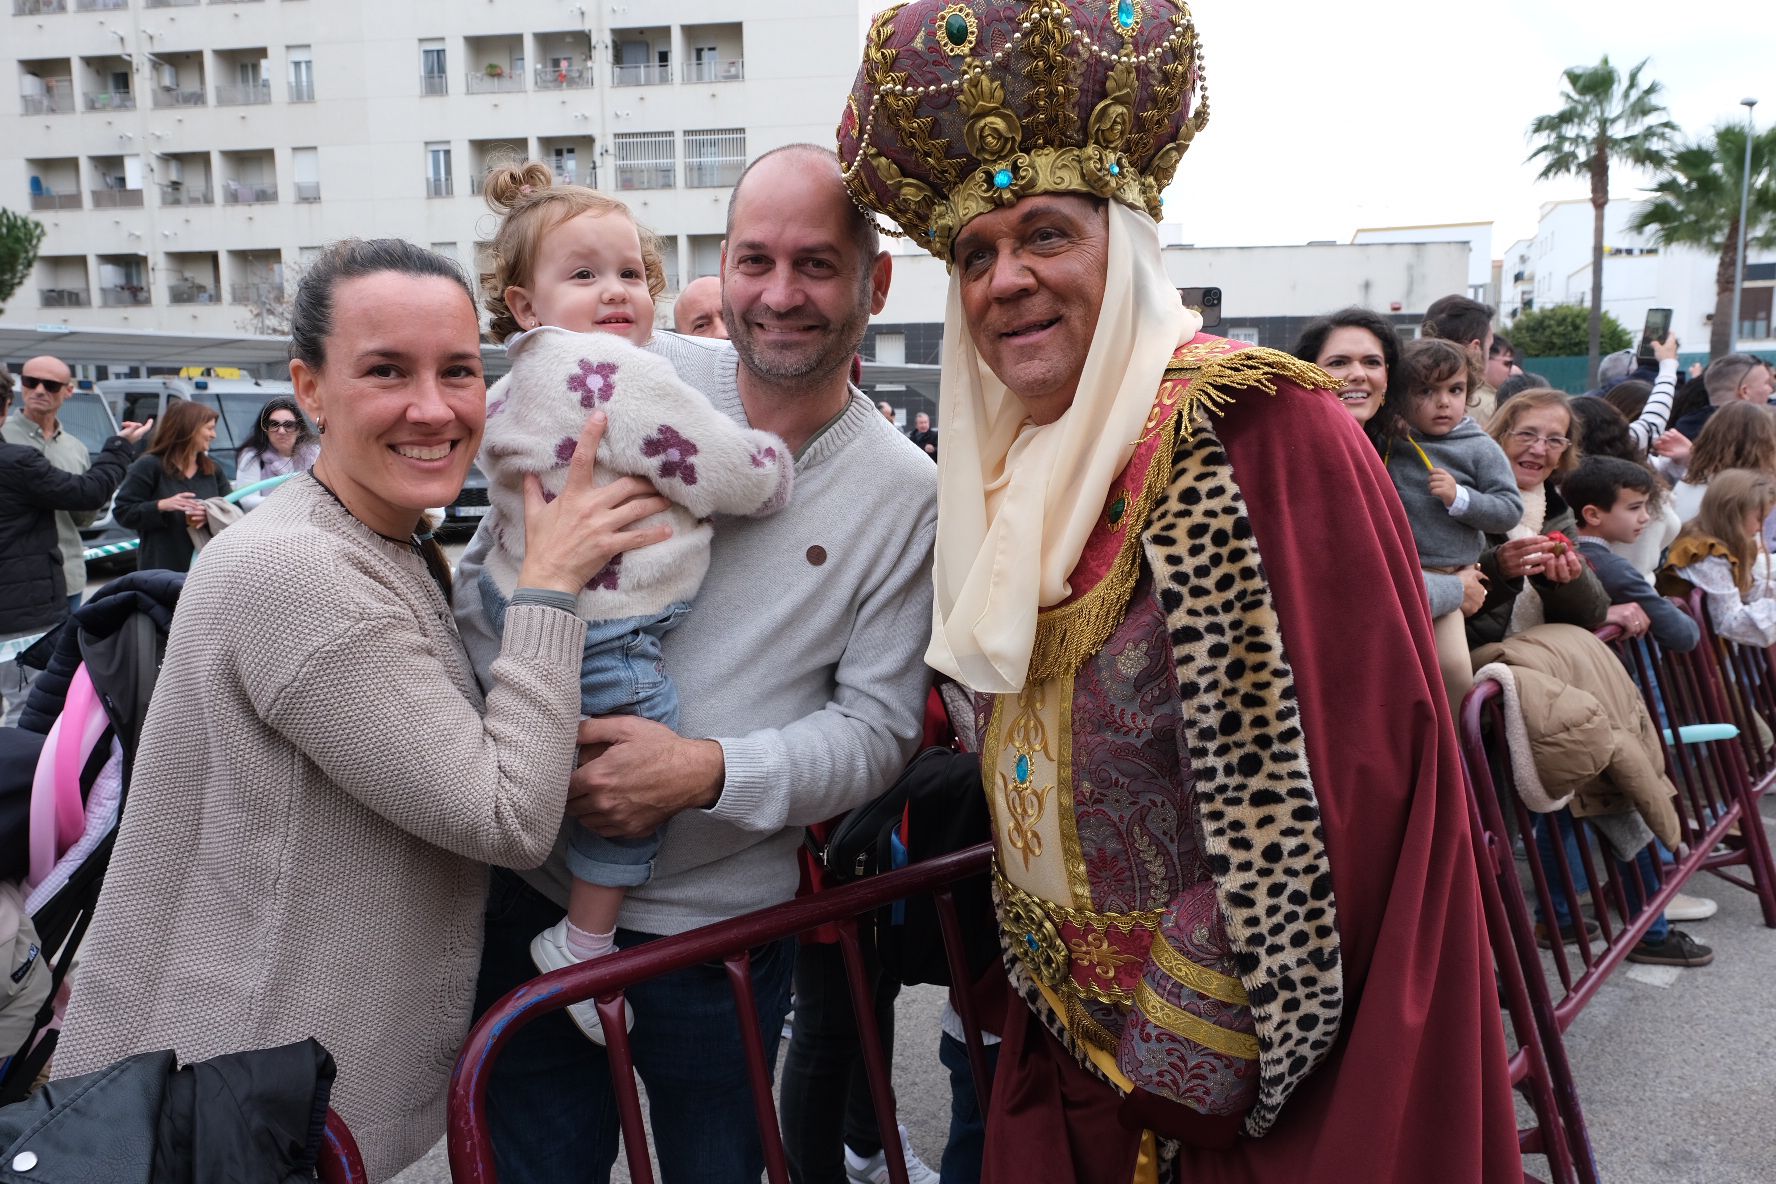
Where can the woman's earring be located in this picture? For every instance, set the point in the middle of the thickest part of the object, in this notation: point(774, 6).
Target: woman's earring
point(320, 428)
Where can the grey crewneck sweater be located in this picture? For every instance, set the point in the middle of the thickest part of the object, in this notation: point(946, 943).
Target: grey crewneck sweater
point(803, 655)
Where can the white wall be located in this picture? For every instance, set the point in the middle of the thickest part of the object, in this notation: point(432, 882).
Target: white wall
point(1477, 235)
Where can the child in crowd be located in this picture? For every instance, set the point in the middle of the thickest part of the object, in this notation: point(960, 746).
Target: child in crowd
point(1610, 498)
point(1719, 552)
point(571, 287)
point(1454, 481)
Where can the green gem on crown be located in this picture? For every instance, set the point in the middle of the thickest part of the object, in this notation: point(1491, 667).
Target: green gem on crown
point(956, 28)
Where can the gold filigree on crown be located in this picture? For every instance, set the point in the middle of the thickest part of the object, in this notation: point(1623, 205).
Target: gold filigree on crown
point(966, 107)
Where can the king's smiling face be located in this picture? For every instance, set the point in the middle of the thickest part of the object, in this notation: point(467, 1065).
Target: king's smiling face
point(1032, 277)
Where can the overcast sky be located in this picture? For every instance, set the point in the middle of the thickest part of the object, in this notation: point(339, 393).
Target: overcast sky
point(1331, 117)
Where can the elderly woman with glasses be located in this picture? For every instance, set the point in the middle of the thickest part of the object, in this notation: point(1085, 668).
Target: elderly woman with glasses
point(1533, 575)
point(281, 444)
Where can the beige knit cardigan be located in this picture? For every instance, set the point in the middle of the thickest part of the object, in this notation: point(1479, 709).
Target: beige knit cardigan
point(319, 791)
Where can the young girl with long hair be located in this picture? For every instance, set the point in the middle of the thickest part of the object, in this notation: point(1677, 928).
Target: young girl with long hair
point(1721, 551)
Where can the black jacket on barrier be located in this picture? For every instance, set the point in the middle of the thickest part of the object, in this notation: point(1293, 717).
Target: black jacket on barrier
point(33, 594)
point(245, 1118)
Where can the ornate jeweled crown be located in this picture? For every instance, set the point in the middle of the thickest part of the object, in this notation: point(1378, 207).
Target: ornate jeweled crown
point(963, 108)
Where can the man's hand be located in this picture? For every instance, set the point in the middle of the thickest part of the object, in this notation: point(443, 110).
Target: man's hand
point(640, 774)
point(1443, 486)
point(1473, 591)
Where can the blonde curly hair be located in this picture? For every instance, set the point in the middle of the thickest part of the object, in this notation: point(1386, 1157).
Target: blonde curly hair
point(531, 204)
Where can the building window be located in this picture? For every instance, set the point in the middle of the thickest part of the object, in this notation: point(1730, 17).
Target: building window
point(433, 78)
point(305, 163)
point(302, 86)
point(714, 158)
point(644, 160)
point(1247, 335)
point(438, 183)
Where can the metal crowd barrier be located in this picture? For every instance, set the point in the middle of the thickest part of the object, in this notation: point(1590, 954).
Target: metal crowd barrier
point(470, 1143)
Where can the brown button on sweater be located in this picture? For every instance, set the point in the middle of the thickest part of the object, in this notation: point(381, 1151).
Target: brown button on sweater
point(319, 791)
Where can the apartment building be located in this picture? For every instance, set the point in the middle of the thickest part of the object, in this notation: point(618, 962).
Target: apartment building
point(185, 156)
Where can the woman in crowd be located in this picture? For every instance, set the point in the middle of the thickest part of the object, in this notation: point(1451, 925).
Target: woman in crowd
point(163, 494)
point(1604, 432)
point(313, 811)
point(1530, 577)
point(1737, 436)
point(1361, 351)
point(281, 444)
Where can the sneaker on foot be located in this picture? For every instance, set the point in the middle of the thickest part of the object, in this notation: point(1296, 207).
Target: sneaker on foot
point(873, 1169)
point(1690, 908)
point(1570, 935)
point(549, 951)
point(1678, 949)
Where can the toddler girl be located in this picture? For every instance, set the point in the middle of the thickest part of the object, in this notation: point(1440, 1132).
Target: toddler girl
point(571, 287)
point(1719, 551)
point(1454, 481)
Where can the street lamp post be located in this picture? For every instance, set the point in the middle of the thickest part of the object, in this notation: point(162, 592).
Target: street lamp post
point(1744, 212)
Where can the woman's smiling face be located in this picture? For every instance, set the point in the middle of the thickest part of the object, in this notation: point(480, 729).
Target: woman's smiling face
point(1526, 444)
point(1353, 356)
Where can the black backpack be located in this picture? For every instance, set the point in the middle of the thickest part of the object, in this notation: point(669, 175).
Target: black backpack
point(937, 806)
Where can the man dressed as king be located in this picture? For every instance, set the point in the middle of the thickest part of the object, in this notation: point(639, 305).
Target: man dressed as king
point(1234, 874)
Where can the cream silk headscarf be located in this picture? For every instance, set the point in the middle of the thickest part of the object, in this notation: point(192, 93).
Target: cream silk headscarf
point(1016, 502)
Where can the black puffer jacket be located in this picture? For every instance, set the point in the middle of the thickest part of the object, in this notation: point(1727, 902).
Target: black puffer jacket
point(33, 594)
point(245, 1118)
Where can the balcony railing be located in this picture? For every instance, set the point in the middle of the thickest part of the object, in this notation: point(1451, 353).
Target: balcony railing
point(173, 96)
point(494, 84)
point(100, 5)
point(302, 90)
point(712, 174)
point(240, 193)
point(434, 84)
point(654, 175)
point(64, 298)
point(308, 191)
point(439, 187)
point(116, 199)
point(186, 195)
point(38, 7)
point(255, 293)
point(172, 3)
point(563, 77)
point(587, 176)
point(646, 74)
point(110, 100)
point(124, 295)
point(720, 70)
point(55, 201)
point(189, 293)
point(242, 94)
point(57, 98)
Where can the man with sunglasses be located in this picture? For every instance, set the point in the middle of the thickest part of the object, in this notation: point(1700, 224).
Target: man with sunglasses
point(33, 493)
point(44, 385)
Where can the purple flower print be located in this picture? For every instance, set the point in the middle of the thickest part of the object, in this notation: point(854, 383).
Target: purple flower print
point(675, 453)
point(607, 576)
point(595, 384)
point(564, 451)
point(763, 457)
point(495, 407)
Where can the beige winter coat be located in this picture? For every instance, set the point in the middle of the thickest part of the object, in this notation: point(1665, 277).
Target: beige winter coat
point(1588, 727)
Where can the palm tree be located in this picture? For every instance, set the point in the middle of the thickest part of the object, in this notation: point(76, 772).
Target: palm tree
point(1604, 118)
point(1696, 204)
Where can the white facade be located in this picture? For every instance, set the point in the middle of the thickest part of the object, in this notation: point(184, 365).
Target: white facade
point(1637, 273)
point(1257, 283)
point(1477, 236)
point(183, 154)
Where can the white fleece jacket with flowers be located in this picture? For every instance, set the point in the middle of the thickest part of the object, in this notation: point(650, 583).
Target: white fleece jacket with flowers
point(658, 428)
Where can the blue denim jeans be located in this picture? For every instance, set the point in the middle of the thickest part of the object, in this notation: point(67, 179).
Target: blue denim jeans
point(968, 1126)
point(1562, 821)
point(551, 1106)
point(621, 673)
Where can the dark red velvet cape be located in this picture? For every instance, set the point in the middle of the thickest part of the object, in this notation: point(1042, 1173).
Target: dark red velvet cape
point(1416, 1091)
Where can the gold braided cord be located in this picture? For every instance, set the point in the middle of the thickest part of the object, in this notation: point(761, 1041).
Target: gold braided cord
point(1053, 94)
point(1238, 369)
point(1179, 1022)
point(1068, 635)
point(1083, 918)
point(1082, 1025)
point(1174, 76)
point(1200, 979)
